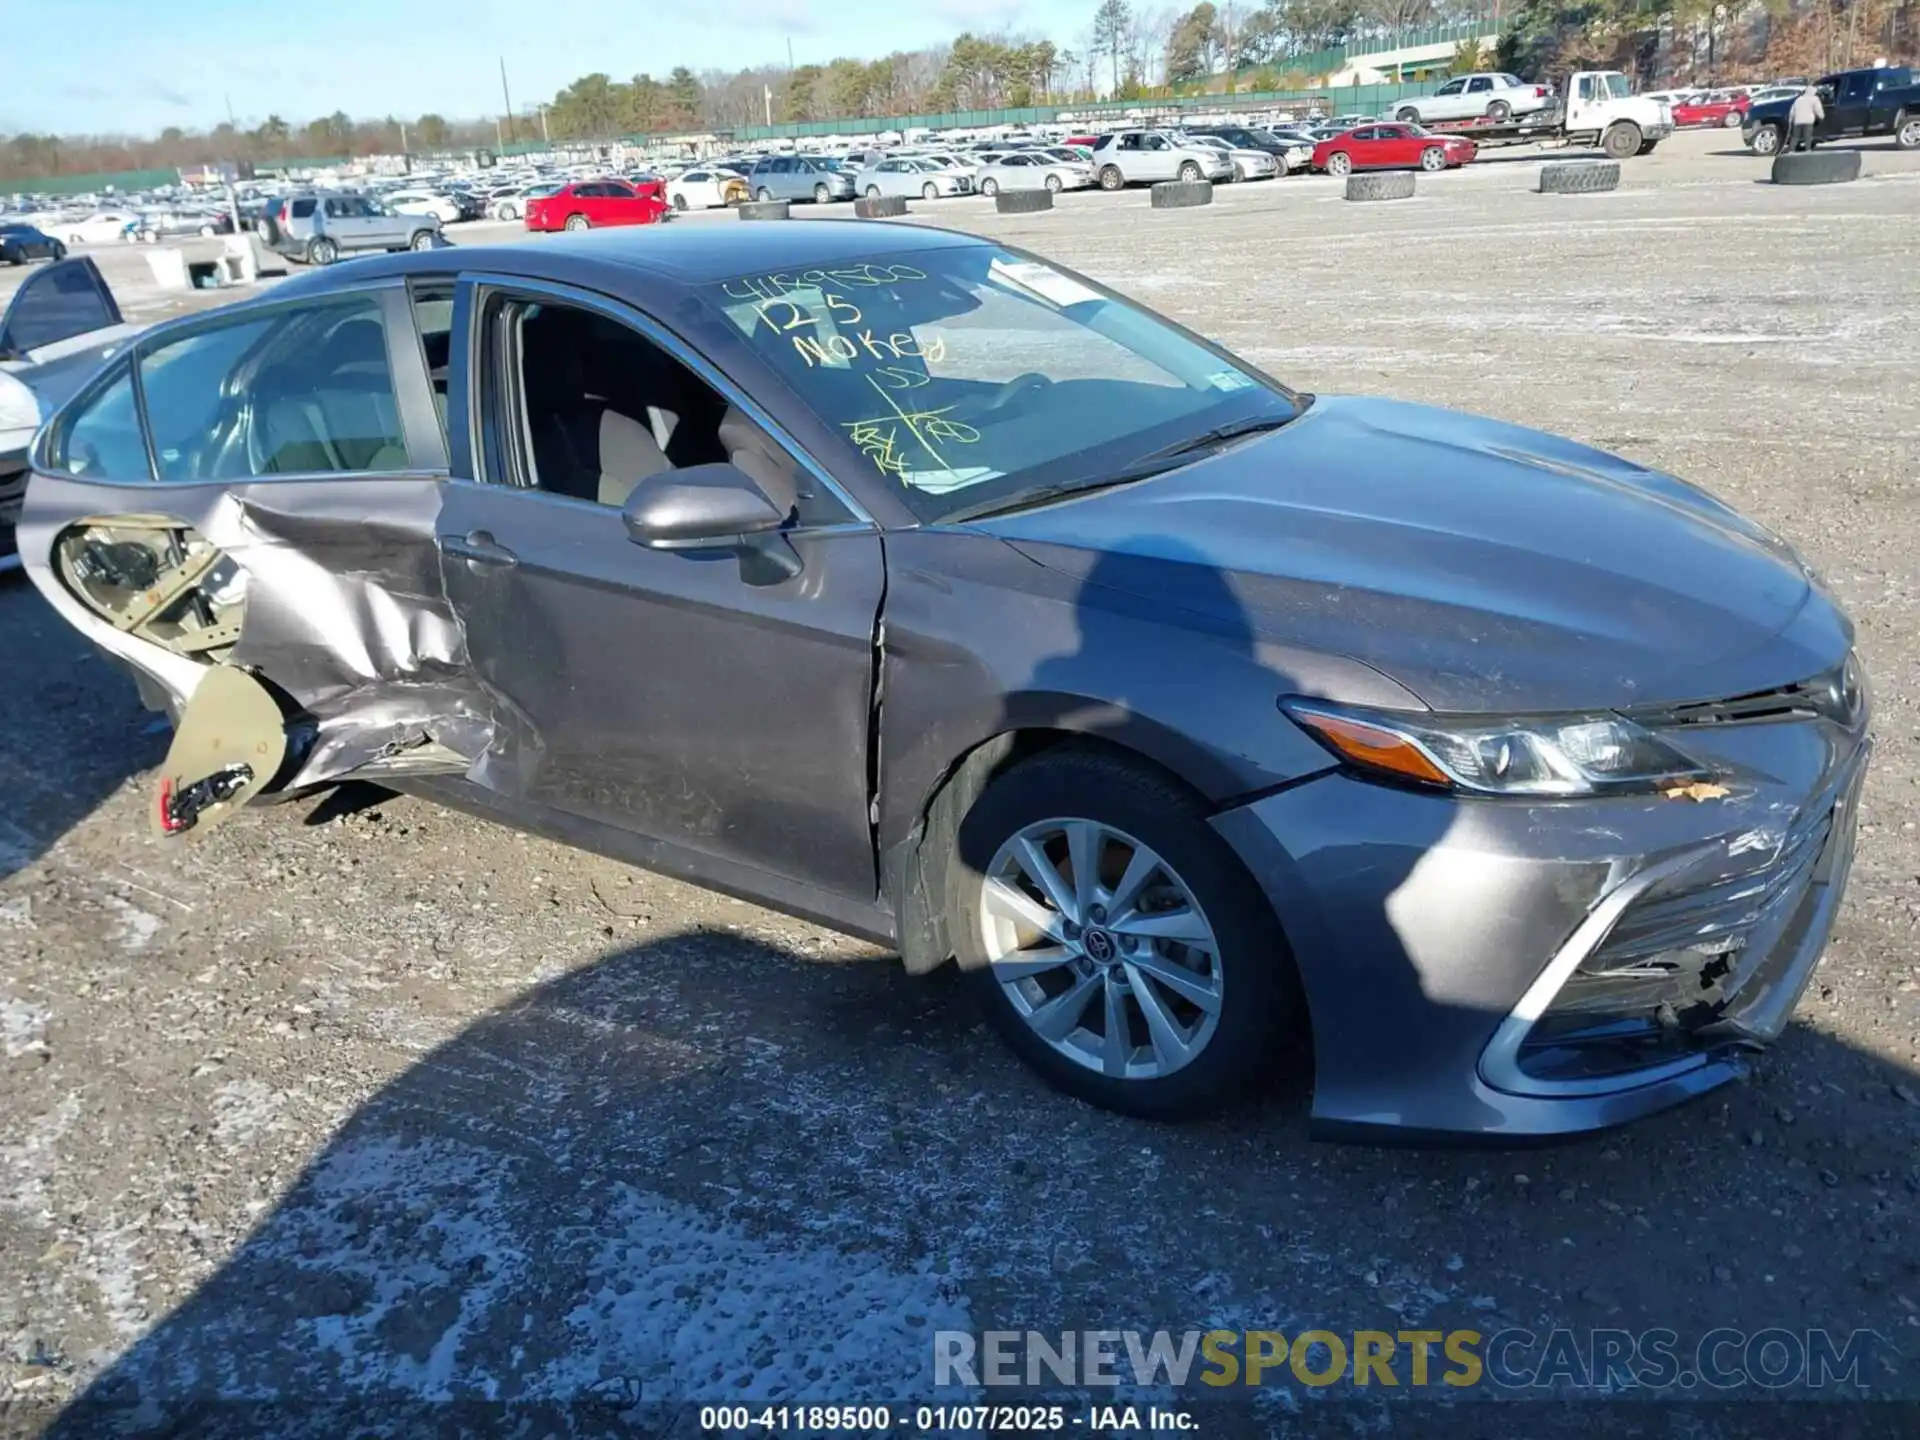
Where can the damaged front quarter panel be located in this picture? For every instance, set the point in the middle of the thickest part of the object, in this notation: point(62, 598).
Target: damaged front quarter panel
point(338, 610)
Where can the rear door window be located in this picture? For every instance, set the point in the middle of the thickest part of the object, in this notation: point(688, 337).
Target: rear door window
point(102, 439)
point(62, 302)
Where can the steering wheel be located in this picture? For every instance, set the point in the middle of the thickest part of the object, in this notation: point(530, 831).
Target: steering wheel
point(1019, 388)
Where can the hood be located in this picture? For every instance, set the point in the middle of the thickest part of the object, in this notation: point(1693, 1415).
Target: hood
point(1483, 566)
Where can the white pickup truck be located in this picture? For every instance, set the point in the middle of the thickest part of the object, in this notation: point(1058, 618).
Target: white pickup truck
point(1599, 109)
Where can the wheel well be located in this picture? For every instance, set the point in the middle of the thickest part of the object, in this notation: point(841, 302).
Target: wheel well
point(919, 889)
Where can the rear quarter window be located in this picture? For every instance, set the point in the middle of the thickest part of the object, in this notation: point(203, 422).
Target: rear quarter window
point(302, 209)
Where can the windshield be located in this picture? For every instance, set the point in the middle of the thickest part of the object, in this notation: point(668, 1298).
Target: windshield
point(1612, 85)
point(974, 374)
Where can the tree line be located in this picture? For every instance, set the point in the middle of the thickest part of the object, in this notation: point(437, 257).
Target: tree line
point(1125, 51)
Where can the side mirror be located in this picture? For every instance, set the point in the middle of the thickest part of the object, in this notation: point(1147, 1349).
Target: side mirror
point(701, 507)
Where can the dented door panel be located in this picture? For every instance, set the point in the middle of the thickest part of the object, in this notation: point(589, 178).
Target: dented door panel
point(328, 590)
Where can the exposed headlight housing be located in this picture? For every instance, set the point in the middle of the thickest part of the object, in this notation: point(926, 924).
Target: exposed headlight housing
point(1597, 754)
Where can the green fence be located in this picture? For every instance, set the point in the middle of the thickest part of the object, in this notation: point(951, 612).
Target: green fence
point(83, 184)
point(1344, 99)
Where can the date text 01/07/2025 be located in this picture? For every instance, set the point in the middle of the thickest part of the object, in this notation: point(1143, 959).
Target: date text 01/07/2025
point(1007, 1419)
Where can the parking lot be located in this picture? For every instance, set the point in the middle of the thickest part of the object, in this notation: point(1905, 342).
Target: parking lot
point(361, 1097)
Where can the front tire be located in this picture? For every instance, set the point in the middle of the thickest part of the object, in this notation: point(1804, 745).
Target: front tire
point(1622, 140)
point(821, 195)
point(1168, 993)
point(422, 240)
point(989, 187)
point(509, 212)
point(1433, 159)
point(1053, 183)
point(1189, 172)
point(929, 191)
point(1766, 140)
point(764, 195)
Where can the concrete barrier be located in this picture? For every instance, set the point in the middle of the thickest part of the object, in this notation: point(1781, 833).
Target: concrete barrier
point(1816, 167)
point(880, 207)
point(1022, 202)
point(762, 210)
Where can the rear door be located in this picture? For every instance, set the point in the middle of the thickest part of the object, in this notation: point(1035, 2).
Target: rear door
point(257, 492)
point(618, 204)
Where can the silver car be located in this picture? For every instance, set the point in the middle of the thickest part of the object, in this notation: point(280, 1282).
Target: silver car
point(910, 178)
point(1246, 162)
point(1141, 157)
point(1033, 170)
point(321, 226)
point(800, 177)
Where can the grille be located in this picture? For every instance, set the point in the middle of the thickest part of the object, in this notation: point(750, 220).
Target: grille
point(1834, 694)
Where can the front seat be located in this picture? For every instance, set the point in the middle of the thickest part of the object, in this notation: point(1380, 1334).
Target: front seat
point(760, 460)
point(582, 447)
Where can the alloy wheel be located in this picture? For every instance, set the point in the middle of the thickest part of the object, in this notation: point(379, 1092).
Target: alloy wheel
point(989, 187)
point(1338, 163)
point(1433, 158)
point(1101, 948)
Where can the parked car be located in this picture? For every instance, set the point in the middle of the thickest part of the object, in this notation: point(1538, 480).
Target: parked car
point(1140, 157)
point(320, 226)
point(166, 224)
point(1530, 833)
point(60, 324)
point(442, 206)
point(1499, 97)
point(706, 188)
point(1288, 153)
point(1247, 162)
point(1391, 147)
point(511, 204)
point(1884, 100)
point(21, 242)
point(1034, 170)
point(800, 177)
point(1710, 108)
point(587, 203)
point(912, 178)
point(100, 227)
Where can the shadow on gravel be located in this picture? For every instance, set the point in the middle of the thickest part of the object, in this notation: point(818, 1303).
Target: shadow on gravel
point(72, 729)
point(704, 1167)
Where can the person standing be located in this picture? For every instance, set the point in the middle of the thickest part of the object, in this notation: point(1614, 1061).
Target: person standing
point(1805, 113)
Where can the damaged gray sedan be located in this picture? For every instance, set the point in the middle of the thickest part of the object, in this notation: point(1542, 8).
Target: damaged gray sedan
point(917, 586)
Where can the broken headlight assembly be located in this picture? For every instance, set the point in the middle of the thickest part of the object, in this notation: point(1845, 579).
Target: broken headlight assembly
point(1575, 755)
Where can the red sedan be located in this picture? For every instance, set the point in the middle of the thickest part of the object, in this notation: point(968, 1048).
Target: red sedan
point(586, 203)
point(1391, 147)
point(1710, 109)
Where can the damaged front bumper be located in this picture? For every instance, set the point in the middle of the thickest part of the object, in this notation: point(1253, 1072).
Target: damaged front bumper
point(1503, 969)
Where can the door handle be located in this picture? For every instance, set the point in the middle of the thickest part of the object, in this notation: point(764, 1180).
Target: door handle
point(477, 548)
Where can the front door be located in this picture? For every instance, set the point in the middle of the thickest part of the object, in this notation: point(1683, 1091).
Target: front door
point(671, 694)
point(1847, 110)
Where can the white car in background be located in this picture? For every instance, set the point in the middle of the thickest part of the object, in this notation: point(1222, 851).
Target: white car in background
point(706, 188)
point(1499, 97)
point(99, 228)
point(423, 202)
point(1247, 164)
point(1033, 170)
point(513, 204)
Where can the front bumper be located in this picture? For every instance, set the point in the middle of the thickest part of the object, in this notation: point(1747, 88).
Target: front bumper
point(1452, 950)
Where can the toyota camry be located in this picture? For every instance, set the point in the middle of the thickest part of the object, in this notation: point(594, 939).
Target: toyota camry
point(915, 584)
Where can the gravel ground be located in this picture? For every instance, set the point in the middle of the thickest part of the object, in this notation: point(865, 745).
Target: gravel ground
point(360, 1101)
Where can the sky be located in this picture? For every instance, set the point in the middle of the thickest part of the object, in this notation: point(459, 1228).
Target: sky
point(138, 66)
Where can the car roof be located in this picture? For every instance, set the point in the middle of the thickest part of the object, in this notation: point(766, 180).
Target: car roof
point(692, 255)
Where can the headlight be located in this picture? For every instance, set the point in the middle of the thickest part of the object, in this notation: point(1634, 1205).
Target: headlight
point(1558, 755)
